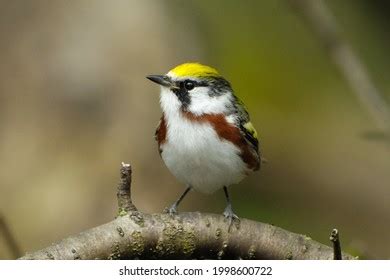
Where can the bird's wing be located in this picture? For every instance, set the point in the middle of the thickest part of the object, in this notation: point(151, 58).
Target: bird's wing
point(245, 124)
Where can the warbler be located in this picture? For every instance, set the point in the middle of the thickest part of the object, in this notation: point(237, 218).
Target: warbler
point(204, 136)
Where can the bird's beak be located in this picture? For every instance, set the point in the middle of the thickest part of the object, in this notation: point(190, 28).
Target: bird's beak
point(161, 80)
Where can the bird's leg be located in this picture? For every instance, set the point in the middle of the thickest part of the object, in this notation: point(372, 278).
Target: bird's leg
point(173, 209)
point(228, 213)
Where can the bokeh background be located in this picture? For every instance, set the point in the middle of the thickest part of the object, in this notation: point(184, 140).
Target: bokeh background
point(74, 103)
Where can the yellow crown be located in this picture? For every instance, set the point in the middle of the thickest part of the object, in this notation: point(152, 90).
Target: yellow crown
point(194, 70)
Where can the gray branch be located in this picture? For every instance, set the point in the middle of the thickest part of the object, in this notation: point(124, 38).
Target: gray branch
point(186, 236)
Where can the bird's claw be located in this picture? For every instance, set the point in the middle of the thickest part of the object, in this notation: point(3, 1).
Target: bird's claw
point(172, 210)
point(230, 216)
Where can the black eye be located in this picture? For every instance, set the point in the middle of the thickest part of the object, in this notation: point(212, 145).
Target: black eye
point(189, 85)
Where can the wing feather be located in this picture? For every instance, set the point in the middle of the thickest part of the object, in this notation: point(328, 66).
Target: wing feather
point(245, 125)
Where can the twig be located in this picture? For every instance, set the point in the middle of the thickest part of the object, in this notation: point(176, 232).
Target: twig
point(125, 204)
point(9, 238)
point(335, 238)
point(325, 27)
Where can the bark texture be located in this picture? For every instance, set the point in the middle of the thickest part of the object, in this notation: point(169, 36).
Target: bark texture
point(185, 236)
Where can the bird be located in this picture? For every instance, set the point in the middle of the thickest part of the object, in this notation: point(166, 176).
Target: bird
point(205, 136)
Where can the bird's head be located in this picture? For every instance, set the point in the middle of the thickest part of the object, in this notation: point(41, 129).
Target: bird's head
point(194, 88)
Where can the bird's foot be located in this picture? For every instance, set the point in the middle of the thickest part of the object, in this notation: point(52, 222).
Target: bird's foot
point(230, 216)
point(172, 210)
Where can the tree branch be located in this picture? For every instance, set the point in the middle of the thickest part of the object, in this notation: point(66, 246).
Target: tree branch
point(324, 26)
point(185, 236)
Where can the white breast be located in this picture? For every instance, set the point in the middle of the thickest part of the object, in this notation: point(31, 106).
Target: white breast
point(196, 156)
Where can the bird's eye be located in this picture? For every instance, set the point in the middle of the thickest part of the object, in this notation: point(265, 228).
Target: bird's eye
point(189, 85)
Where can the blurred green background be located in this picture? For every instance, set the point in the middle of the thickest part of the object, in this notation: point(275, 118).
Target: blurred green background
point(74, 103)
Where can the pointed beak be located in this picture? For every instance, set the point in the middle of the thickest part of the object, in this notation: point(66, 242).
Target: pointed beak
point(161, 80)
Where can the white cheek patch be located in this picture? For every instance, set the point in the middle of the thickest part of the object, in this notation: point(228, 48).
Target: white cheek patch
point(203, 103)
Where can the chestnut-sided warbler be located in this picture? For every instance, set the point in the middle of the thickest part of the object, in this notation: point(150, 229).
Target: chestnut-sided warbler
point(204, 136)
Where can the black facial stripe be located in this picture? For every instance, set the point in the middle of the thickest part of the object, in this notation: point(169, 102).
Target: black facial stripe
point(182, 95)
